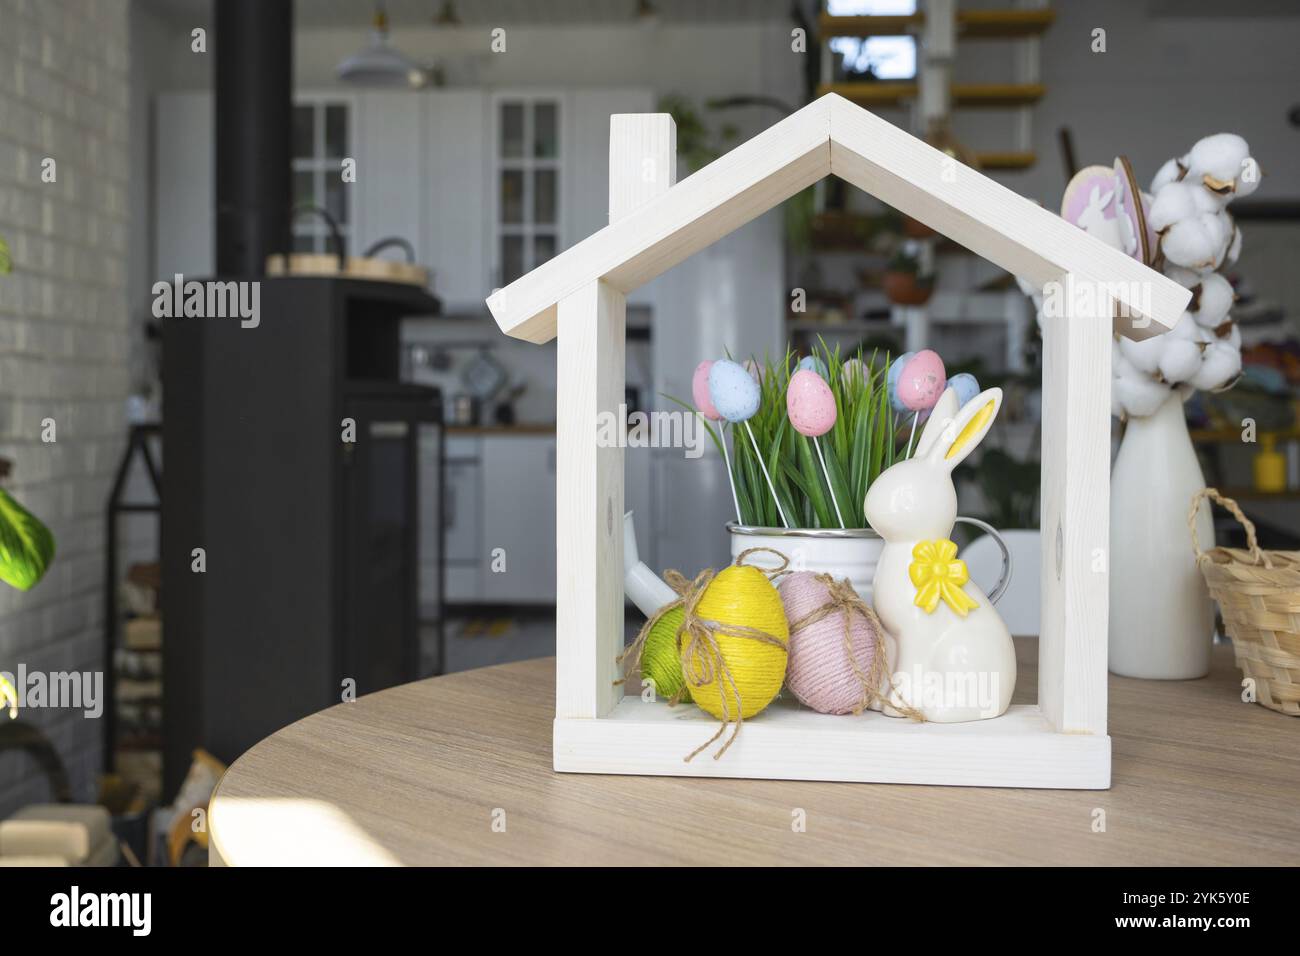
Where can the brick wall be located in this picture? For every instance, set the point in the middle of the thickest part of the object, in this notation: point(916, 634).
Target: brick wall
point(64, 339)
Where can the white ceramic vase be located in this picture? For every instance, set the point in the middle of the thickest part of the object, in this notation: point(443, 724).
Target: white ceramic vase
point(1161, 614)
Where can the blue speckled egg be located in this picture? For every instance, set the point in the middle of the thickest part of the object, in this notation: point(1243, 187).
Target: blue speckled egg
point(965, 385)
point(734, 392)
point(895, 370)
point(814, 363)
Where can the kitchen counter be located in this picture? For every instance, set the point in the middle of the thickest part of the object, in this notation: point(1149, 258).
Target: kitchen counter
point(520, 429)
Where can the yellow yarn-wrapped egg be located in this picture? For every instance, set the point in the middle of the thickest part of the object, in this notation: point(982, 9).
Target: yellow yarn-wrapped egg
point(742, 595)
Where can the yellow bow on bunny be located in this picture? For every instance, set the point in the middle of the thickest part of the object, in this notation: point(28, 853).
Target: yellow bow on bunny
point(939, 575)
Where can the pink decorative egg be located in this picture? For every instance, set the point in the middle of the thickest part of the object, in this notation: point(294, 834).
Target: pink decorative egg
point(821, 671)
point(700, 391)
point(852, 374)
point(922, 380)
point(810, 403)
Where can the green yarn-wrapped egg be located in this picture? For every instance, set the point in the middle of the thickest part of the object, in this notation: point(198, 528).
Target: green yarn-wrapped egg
point(659, 660)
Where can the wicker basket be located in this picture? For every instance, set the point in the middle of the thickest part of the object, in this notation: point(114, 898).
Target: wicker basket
point(1259, 594)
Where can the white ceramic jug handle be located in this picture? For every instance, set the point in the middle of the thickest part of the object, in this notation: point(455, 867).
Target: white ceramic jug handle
point(1003, 582)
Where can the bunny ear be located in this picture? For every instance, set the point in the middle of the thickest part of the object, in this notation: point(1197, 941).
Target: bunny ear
point(966, 430)
point(944, 411)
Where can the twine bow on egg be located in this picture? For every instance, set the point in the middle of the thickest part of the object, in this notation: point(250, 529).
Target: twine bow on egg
point(701, 656)
point(938, 575)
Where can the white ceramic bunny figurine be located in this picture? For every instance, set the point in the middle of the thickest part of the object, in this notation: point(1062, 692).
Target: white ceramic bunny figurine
point(951, 654)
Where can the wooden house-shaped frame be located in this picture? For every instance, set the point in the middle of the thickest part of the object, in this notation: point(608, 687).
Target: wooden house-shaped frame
point(655, 223)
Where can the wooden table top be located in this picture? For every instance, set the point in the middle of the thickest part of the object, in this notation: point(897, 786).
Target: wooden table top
point(457, 770)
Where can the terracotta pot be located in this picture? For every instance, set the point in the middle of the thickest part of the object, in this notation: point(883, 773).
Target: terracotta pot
point(915, 229)
point(904, 288)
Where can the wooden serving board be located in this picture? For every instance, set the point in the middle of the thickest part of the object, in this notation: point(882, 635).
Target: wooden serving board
point(355, 267)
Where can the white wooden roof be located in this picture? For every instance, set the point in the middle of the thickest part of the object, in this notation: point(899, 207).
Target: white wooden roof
point(833, 136)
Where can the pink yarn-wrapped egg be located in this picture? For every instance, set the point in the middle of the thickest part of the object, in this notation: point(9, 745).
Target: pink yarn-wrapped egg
point(922, 380)
point(810, 403)
point(819, 671)
point(700, 391)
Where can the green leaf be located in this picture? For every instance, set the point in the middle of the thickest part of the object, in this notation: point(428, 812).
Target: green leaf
point(813, 476)
point(26, 545)
point(6, 262)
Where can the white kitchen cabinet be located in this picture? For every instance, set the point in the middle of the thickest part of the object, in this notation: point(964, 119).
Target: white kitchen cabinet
point(462, 518)
point(426, 171)
point(586, 168)
point(388, 193)
point(451, 181)
point(519, 518)
point(586, 171)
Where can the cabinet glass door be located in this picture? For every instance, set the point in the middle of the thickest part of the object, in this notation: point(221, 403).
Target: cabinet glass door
point(527, 184)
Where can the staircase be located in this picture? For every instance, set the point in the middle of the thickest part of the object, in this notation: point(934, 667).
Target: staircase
point(939, 28)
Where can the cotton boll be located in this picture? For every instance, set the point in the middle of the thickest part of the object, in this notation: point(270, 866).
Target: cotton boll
point(1173, 202)
point(1144, 354)
point(1219, 366)
point(1172, 171)
point(1234, 246)
point(1214, 300)
point(1178, 201)
point(1218, 163)
point(1197, 243)
point(1184, 330)
point(1184, 277)
point(1247, 184)
point(1180, 360)
point(1233, 338)
point(1119, 363)
point(1139, 395)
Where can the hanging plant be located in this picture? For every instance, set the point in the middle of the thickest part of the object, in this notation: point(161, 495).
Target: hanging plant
point(26, 545)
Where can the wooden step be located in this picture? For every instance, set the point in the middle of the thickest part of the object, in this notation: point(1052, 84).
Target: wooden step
point(875, 93)
point(997, 94)
point(893, 93)
point(1003, 24)
point(1007, 160)
point(971, 24)
point(867, 25)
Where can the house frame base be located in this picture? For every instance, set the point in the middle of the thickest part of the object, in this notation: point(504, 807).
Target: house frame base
point(787, 742)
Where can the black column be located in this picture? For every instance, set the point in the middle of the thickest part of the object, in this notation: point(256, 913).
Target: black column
point(254, 112)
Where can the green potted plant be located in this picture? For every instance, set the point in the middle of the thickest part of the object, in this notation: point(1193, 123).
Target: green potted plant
point(26, 545)
point(904, 283)
point(863, 441)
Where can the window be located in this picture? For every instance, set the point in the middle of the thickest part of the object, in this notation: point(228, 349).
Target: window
point(884, 57)
point(526, 185)
point(321, 137)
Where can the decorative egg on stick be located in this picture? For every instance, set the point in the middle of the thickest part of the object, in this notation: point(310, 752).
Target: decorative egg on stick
point(966, 386)
point(852, 374)
point(921, 380)
point(736, 396)
point(704, 403)
point(815, 363)
point(891, 380)
point(811, 406)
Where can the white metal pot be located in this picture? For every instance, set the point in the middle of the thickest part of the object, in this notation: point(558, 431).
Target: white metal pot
point(840, 552)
